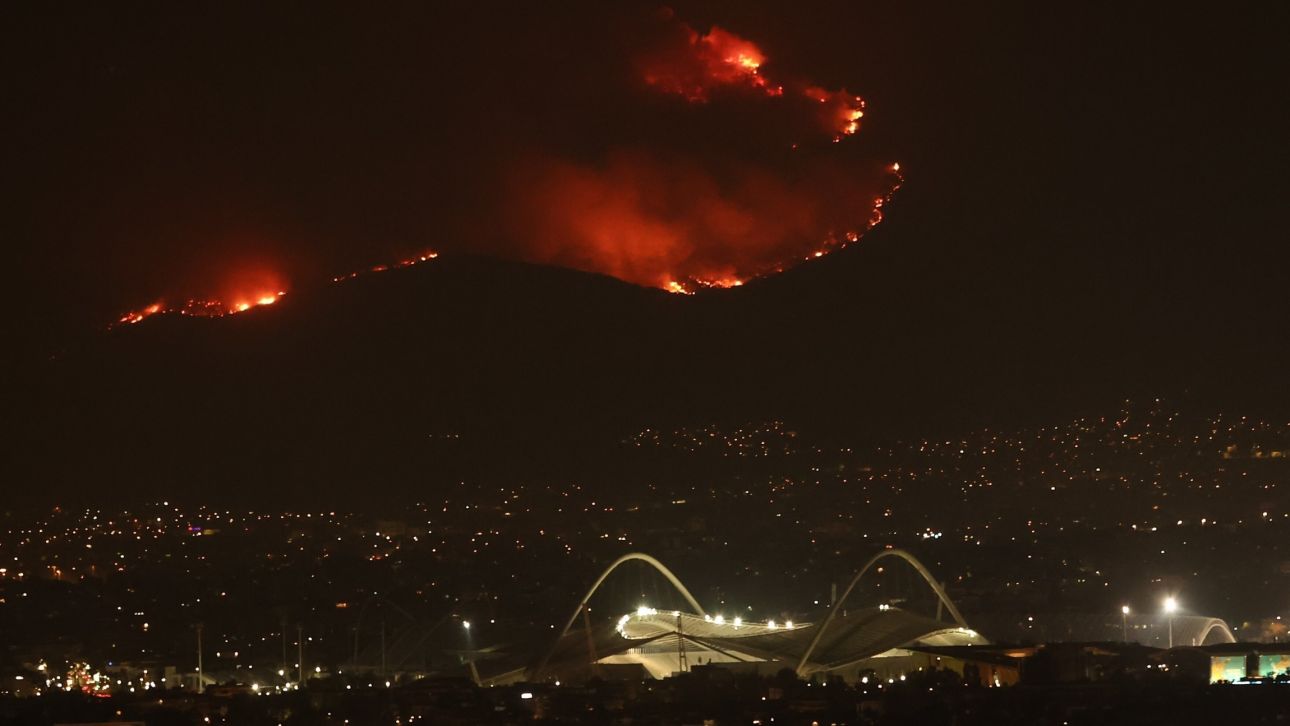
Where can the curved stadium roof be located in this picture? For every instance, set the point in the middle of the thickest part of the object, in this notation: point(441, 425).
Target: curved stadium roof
point(655, 640)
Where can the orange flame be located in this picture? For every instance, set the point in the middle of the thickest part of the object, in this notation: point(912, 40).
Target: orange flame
point(214, 308)
point(704, 62)
point(698, 64)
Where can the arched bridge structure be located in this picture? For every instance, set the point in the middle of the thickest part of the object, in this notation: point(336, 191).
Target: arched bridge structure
point(1188, 630)
point(380, 601)
point(1212, 624)
point(591, 591)
point(868, 631)
point(837, 607)
point(407, 641)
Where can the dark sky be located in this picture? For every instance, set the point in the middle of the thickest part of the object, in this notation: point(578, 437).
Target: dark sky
point(1069, 165)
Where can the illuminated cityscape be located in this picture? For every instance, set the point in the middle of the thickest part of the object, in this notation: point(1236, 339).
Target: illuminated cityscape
point(357, 597)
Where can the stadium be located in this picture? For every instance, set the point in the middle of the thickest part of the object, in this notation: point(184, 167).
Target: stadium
point(851, 640)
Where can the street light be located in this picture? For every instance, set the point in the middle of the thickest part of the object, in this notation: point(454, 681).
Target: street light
point(469, 654)
point(1124, 622)
point(1171, 607)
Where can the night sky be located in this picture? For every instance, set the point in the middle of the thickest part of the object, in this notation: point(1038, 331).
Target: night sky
point(1094, 185)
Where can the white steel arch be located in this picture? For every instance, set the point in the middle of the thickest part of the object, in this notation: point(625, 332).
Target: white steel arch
point(1210, 626)
point(662, 569)
point(895, 552)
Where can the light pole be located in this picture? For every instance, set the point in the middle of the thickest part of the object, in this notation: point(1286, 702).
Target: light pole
point(1171, 607)
point(300, 655)
point(199, 658)
point(470, 652)
point(1124, 623)
point(284, 640)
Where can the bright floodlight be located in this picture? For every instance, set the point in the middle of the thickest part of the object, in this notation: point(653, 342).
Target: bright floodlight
point(1171, 605)
point(465, 624)
point(1125, 609)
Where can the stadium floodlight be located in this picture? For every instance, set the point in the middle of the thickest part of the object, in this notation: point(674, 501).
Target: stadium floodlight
point(1171, 607)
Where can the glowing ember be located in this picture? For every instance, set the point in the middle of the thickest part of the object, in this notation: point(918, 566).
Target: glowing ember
point(840, 111)
point(138, 316)
point(725, 282)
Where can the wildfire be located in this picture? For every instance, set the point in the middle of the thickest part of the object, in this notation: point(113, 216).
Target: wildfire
point(652, 222)
point(700, 63)
point(840, 111)
point(696, 65)
point(200, 308)
point(408, 262)
point(716, 212)
point(748, 62)
point(726, 282)
point(789, 183)
point(138, 316)
point(212, 308)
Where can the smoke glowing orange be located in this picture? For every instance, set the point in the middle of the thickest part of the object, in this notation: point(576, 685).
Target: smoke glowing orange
point(695, 65)
point(714, 213)
point(671, 224)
